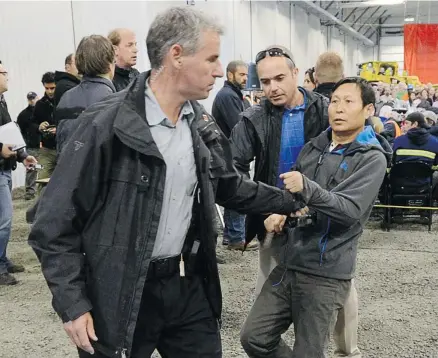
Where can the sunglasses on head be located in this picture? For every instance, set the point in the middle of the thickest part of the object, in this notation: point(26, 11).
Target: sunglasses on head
point(273, 52)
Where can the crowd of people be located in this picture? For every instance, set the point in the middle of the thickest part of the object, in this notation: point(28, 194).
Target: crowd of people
point(125, 229)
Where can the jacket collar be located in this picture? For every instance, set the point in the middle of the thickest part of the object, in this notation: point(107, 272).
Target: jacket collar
point(234, 88)
point(101, 80)
point(309, 98)
point(130, 124)
point(123, 72)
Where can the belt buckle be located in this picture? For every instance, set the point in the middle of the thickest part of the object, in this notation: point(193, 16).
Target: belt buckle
point(161, 267)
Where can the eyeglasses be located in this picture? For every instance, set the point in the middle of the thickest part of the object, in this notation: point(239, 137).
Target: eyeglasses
point(273, 52)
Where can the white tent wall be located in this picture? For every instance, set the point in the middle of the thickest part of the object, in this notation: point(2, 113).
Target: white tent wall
point(32, 46)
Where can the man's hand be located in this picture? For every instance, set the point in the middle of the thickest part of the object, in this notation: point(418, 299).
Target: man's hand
point(52, 130)
point(7, 152)
point(301, 212)
point(275, 223)
point(43, 126)
point(293, 181)
point(30, 162)
point(80, 331)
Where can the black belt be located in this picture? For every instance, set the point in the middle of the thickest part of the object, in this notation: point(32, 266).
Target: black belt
point(167, 267)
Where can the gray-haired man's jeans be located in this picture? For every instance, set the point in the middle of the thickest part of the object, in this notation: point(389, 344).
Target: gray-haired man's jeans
point(309, 302)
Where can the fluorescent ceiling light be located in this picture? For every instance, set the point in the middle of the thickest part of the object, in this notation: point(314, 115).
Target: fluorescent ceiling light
point(371, 3)
point(409, 19)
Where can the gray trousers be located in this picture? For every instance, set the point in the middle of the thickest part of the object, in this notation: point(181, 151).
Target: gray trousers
point(347, 323)
point(309, 302)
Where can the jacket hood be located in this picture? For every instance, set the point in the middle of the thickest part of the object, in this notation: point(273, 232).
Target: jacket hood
point(418, 136)
point(326, 89)
point(434, 131)
point(365, 141)
point(60, 75)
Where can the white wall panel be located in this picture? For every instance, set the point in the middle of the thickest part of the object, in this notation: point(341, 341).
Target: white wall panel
point(392, 49)
point(32, 43)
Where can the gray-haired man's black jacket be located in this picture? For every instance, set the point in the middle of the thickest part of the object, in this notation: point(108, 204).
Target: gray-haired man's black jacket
point(258, 136)
point(97, 222)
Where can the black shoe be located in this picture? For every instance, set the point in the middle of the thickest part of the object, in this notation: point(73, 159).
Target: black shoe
point(16, 268)
point(29, 197)
point(7, 279)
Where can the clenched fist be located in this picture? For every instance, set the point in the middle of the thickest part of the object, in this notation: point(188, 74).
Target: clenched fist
point(275, 223)
point(293, 181)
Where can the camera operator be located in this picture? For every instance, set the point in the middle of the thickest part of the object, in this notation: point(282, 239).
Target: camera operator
point(337, 177)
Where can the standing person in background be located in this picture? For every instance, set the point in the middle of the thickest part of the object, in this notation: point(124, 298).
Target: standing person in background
point(43, 117)
point(329, 69)
point(8, 162)
point(309, 79)
point(32, 137)
point(125, 45)
point(68, 79)
point(227, 106)
point(95, 60)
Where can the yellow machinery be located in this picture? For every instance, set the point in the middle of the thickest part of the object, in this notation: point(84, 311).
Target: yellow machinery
point(387, 72)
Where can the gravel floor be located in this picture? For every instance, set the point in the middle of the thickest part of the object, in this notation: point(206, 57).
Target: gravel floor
point(397, 283)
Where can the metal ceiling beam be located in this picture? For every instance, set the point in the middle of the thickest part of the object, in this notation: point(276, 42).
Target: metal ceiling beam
point(367, 21)
point(325, 14)
point(378, 27)
point(350, 14)
point(328, 6)
point(360, 16)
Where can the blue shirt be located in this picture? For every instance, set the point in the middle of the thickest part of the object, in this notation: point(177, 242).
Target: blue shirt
point(292, 138)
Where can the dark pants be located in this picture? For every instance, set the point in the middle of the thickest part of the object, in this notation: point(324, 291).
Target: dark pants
point(31, 175)
point(234, 230)
point(175, 318)
point(309, 302)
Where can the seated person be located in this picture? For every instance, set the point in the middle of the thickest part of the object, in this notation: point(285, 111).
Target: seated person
point(417, 144)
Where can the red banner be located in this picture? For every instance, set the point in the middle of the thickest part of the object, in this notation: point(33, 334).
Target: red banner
point(421, 51)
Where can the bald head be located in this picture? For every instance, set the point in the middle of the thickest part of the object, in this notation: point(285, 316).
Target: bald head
point(125, 45)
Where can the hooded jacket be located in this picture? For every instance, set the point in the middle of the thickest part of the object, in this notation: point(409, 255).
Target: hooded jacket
point(97, 221)
point(123, 77)
point(64, 82)
point(29, 129)
point(340, 187)
point(44, 112)
point(227, 106)
point(75, 101)
point(258, 135)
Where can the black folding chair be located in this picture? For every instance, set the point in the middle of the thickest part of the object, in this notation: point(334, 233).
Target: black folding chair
point(400, 190)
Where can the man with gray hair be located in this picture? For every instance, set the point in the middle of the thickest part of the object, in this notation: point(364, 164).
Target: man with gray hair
point(125, 230)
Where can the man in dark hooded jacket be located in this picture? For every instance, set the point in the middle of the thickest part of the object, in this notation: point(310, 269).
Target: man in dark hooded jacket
point(66, 80)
